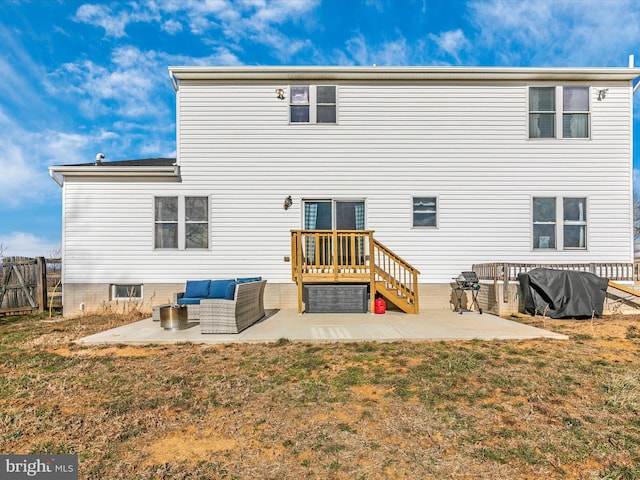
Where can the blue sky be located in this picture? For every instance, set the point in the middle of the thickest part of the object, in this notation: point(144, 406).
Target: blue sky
point(86, 77)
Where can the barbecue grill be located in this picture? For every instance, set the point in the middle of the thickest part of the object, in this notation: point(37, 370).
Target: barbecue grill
point(467, 281)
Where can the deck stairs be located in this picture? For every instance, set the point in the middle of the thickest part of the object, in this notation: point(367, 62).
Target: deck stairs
point(353, 256)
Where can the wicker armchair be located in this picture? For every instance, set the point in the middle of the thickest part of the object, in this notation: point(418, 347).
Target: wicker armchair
point(233, 316)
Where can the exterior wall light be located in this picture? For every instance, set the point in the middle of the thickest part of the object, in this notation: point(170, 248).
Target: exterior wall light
point(602, 94)
point(287, 202)
point(280, 93)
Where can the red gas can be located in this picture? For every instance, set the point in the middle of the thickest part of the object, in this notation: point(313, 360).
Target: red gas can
point(379, 306)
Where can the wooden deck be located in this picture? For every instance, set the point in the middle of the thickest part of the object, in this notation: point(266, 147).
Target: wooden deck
point(353, 256)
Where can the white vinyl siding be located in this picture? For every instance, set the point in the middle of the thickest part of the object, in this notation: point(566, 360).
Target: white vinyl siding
point(465, 143)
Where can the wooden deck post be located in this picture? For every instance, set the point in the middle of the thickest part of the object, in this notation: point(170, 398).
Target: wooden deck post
point(41, 273)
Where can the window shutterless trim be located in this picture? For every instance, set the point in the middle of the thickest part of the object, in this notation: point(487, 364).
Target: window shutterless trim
point(561, 223)
point(182, 223)
point(311, 104)
point(559, 113)
point(436, 211)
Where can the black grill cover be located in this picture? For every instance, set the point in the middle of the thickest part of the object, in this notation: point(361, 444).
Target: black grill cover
point(562, 293)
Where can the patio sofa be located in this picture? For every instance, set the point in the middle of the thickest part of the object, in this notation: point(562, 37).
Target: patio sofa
point(222, 306)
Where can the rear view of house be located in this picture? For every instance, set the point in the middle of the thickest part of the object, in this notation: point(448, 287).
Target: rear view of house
point(393, 178)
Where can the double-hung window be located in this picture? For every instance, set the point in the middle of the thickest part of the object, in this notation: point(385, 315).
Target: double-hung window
point(569, 213)
point(196, 229)
point(542, 112)
point(545, 116)
point(166, 222)
point(181, 222)
point(313, 104)
point(575, 112)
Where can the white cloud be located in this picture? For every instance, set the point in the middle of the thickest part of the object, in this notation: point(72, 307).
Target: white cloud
point(218, 23)
point(358, 51)
point(128, 87)
point(451, 42)
point(100, 15)
point(114, 24)
point(24, 156)
point(567, 33)
point(172, 27)
point(27, 245)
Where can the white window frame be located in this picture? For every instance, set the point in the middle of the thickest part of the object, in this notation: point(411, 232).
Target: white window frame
point(182, 222)
point(116, 286)
point(560, 223)
point(313, 105)
point(437, 212)
point(559, 113)
point(333, 201)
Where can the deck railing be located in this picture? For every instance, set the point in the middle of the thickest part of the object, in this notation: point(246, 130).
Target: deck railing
point(508, 272)
point(350, 256)
point(396, 274)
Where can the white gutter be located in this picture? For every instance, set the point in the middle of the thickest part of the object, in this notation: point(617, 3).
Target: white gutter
point(58, 173)
point(400, 73)
point(59, 181)
point(174, 80)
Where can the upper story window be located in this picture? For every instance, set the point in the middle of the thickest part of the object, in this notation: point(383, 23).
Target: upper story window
point(313, 104)
point(575, 112)
point(181, 222)
point(545, 117)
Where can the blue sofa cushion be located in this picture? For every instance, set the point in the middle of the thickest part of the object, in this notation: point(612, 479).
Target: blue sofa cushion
point(197, 289)
point(231, 291)
point(248, 279)
point(218, 288)
point(189, 301)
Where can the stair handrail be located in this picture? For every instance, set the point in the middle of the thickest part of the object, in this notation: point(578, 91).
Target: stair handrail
point(381, 263)
point(404, 278)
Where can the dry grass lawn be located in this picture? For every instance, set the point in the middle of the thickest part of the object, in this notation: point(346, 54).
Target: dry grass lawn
point(464, 410)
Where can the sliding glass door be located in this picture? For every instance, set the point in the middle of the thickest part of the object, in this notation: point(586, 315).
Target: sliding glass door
point(335, 215)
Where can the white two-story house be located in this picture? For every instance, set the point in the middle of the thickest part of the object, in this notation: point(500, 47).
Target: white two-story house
point(397, 178)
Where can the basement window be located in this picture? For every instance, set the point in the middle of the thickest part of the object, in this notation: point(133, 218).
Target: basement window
point(126, 292)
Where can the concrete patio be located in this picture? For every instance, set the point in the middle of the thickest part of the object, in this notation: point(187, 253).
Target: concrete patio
point(429, 325)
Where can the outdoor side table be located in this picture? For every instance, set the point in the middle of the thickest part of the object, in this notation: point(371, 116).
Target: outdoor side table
point(174, 317)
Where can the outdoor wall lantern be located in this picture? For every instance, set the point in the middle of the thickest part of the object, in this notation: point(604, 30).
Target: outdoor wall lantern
point(288, 202)
point(602, 94)
point(280, 93)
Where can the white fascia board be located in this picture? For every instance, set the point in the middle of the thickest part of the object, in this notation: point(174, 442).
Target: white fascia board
point(58, 173)
point(403, 73)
